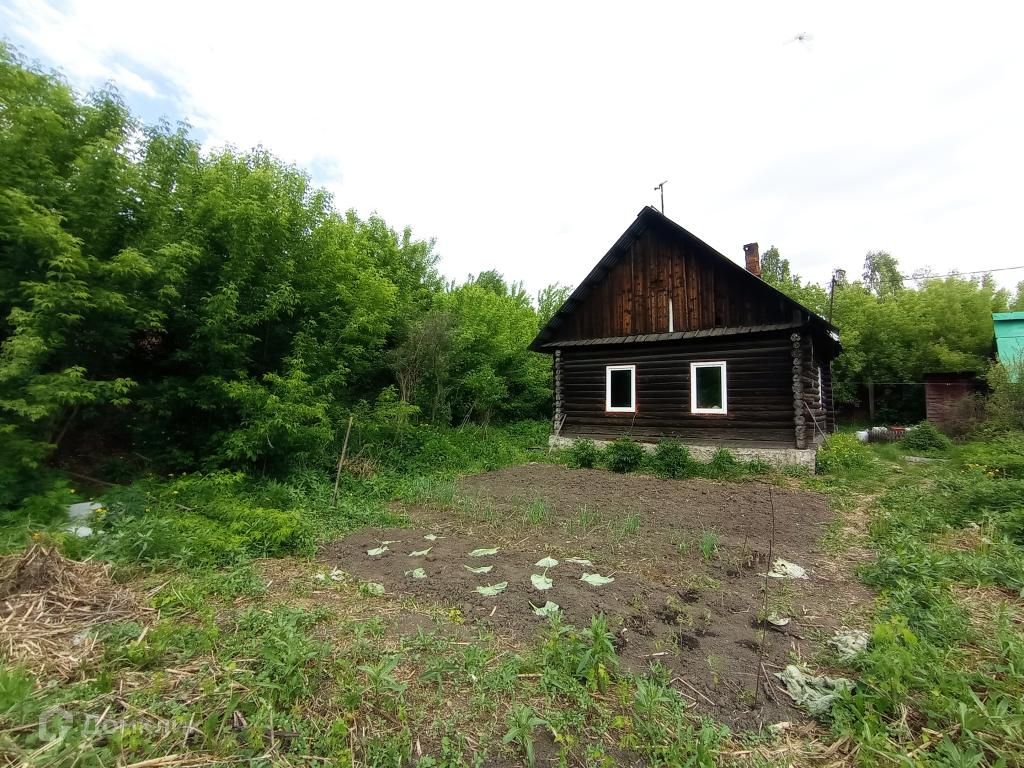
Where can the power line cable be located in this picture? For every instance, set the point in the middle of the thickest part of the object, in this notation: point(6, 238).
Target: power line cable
point(961, 274)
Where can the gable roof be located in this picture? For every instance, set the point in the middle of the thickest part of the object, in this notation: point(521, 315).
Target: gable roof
point(647, 217)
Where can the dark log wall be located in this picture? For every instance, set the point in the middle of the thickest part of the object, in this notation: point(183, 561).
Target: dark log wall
point(556, 378)
point(813, 415)
point(759, 391)
point(633, 297)
point(817, 393)
point(830, 406)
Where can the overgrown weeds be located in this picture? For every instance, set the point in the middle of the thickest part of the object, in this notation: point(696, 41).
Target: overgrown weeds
point(936, 680)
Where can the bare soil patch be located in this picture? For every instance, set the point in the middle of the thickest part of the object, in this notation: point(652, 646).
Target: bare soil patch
point(673, 600)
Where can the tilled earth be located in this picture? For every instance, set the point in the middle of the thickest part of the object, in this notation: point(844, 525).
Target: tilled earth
point(672, 601)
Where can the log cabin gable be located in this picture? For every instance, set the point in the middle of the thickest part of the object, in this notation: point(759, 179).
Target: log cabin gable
point(657, 279)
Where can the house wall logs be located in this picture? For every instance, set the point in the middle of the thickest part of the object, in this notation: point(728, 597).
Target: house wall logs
point(759, 391)
point(556, 365)
point(815, 411)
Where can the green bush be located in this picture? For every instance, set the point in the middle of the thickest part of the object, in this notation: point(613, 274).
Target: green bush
point(1004, 409)
point(623, 455)
point(925, 437)
point(196, 519)
point(723, 466)
point(843, 452)
point(584, 454)
point(672, 459)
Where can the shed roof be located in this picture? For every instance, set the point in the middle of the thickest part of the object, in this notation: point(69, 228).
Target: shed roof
point(644, 219)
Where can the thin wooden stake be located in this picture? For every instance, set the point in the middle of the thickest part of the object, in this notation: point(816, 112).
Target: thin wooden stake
point(767, 581)
point(687, 684)
point(341, 462)
point(768, 684)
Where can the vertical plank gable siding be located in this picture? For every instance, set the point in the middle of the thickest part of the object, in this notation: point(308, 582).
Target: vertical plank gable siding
point(759, 391)
point(632, 299)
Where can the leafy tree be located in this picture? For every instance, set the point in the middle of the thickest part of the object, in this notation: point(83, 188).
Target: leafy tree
point(775, 269)
point(209, 310)
point(891, 333)
point(492, 329)
point(882, 275)
point(550, 299)
point(1017, 303)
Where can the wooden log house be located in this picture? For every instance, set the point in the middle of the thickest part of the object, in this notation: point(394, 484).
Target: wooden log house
point(668, 338)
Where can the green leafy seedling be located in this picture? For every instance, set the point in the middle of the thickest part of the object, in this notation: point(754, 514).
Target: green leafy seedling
point(522, 723)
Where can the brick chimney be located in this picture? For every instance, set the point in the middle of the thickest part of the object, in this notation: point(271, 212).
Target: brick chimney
point(753, 258)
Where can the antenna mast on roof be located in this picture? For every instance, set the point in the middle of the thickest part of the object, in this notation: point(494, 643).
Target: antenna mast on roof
point(661, 188)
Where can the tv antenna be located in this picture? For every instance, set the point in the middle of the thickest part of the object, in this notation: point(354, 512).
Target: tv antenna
point(661, 188)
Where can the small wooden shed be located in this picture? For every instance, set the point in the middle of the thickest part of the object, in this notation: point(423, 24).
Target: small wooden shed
point(668, 338)
point(944, 391)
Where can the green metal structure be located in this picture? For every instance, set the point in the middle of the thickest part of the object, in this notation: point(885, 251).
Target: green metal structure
point(1009, 330)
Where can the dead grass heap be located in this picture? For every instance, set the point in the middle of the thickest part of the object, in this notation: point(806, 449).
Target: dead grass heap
point(51, 604)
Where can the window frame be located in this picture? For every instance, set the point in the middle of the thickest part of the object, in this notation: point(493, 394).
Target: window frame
point(694, 367)
point(608, 407)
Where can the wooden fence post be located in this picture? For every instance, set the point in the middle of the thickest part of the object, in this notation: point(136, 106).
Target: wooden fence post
point(341, 461)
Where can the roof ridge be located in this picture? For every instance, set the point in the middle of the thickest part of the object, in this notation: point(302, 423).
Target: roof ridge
point(630, 235)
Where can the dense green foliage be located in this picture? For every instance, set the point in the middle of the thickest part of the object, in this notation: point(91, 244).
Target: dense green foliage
point(893, 331)
point(192, 311)
point(1003, 410)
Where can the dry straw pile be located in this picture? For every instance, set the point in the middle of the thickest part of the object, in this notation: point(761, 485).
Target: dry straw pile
point(49, 606)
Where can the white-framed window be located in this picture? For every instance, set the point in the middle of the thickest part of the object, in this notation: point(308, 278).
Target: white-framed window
point(707, 388)
point(620, 388)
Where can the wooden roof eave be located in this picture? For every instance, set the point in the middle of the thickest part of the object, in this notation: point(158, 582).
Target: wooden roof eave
point(702, 333)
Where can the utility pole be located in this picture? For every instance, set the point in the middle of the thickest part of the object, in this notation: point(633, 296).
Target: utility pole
point(661, 188)
point(838, 275)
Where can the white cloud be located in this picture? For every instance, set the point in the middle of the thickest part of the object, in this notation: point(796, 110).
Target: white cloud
point(526, 137)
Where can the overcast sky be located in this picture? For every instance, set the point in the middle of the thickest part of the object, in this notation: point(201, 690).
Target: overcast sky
point(526, 136)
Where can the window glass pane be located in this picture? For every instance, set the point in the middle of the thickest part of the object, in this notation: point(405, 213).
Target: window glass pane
point(622, 389)
point(709, 387)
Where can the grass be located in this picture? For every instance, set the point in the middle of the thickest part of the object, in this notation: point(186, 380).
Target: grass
point(241, 663)
point(587, 518)
point(538, 511)
point(946, 645)
point(629, 525)
point(708, 544)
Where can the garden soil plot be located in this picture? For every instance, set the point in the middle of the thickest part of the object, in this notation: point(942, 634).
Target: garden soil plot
point(688, 559)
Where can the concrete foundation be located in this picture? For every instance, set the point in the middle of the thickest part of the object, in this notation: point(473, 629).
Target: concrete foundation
point(777, 457)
